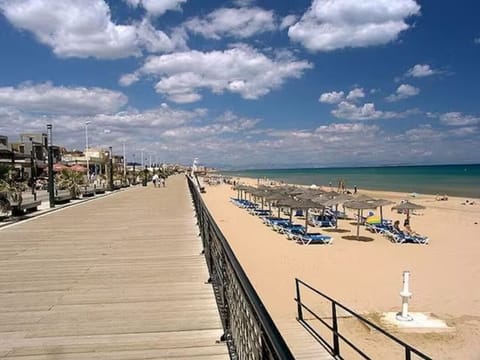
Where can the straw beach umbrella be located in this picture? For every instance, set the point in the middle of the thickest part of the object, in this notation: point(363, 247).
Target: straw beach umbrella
point(408, 206)
point(240, 188)
point(359, 206)
point(289, 203)
point(381, 203)
point(339, 200)
point(275, 196)
point(306, 205)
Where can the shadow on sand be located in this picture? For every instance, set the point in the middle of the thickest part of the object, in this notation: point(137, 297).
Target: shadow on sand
point(336, 230)
point(358, 238)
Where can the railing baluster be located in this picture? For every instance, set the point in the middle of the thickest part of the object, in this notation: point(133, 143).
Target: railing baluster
point(408, 354)
point(299, 301)
point(336, 345)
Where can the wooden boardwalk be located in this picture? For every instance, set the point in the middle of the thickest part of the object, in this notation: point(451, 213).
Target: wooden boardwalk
point(118, 277)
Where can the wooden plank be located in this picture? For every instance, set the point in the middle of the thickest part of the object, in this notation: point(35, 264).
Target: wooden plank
point(119, 277)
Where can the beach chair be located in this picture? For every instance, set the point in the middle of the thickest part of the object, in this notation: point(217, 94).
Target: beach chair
point(292, 230)
point(400, 237)
point(323, 221)
point(269, 220)
point(259, 212)
point(313, 238)
point(281, 224)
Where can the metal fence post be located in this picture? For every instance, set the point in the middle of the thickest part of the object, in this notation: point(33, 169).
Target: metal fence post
point(336, 345)
point(299, 301)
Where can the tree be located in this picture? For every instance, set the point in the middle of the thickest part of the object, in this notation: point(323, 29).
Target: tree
point(70, 180)
point(10, 188)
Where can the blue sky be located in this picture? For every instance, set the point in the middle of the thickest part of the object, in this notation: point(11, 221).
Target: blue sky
point(247, 83)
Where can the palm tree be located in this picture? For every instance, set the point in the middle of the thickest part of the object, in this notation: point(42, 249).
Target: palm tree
point(10, 189)
point(70, 180)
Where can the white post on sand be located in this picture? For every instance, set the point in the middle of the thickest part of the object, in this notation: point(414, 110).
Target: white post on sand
point(406, 295)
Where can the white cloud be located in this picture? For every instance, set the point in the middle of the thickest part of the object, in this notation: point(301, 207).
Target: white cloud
point(458, 119)
point(157, 7)
point(235, 22)
point(332, 97)
point(346, 128)
point(288, 21)
point(337, 24)
point(84, 28)
point(355, 94)
point(46, 98)
point(476, 40)
point(404, 91)
point(349, 111)
point(420, 70)
point(153, 40)
point(424, 134)
point(241, 70)
point(465, 131)
point(128, 79)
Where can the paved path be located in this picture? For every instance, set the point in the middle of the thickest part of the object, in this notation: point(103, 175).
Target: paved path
point(119, 277)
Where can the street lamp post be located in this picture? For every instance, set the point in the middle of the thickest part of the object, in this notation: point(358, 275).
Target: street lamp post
point(51, 190)
point(124, 163)
point(86, 151)
point(33, 172)
point(134, 175)
point(110, 174)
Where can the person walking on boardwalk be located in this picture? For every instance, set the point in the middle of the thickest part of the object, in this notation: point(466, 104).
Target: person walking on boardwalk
point(155, 180)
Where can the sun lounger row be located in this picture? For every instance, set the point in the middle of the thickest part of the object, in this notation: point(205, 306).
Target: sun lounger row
point(398, 237)
point(294, 232)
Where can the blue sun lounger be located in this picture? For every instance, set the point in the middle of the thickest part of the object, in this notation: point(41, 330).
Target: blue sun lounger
point(313, 238)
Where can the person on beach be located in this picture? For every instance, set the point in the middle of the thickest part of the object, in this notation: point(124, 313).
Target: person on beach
point(155, 180)
point(441, 198)
point(407, 229)
point(355, 189)
point(396, 226)
point(163, 181)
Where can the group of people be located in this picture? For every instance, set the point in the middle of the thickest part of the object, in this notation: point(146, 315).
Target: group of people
point(158, 181)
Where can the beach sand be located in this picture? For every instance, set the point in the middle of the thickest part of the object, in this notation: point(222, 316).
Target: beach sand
point(366, 276)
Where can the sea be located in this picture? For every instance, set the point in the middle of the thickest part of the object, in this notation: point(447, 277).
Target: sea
point(453, 180)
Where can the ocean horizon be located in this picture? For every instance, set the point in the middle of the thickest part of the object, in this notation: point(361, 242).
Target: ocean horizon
point(454, 180)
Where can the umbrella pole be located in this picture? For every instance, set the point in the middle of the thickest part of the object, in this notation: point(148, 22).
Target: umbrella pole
point(381, 215)
point(358, 225)
point(306, 221)
point(336, 217)
point(278, 208)
point(291, 212)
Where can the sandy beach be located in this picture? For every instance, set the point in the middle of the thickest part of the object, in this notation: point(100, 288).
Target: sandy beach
point(367, 275)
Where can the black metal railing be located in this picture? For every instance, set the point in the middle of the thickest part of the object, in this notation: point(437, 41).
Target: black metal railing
point(333, 327)
point(249, 331)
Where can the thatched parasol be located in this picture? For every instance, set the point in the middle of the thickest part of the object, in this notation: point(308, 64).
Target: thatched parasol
point(407, 206)
point(339, 200)
point(306, 205)
point(381, 203)
point(359, 206)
